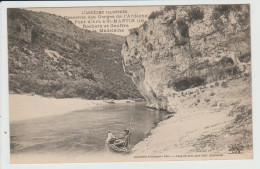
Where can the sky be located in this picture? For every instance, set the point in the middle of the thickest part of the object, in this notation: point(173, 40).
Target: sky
point(92, 18)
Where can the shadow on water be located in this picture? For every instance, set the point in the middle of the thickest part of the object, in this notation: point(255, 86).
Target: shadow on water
point(83, 130)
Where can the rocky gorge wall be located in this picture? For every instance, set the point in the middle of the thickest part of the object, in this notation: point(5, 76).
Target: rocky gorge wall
point(182, 47)
point(50, 56)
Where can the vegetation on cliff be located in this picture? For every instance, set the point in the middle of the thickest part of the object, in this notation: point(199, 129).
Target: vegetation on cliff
point(182, 47)
point(195, 62)
point(50, 56)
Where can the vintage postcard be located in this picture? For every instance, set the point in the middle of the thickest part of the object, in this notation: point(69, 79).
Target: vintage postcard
point(130, 83)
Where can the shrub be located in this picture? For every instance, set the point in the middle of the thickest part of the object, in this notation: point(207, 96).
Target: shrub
point(246, 57)
point(195, 14)
point(206, 100)
point(155, 14)
point(149, 47)
point(145, 25)
point(236, 148)
point(184, 31)
point(224, 10)
point(236, 7)
point(224, 84)
point(145, 39)
point(183, 28)
point(136, 51)
point(170, 21)
point(134, 31)
point(126, 43)
point(169, 7)
point(18, 28)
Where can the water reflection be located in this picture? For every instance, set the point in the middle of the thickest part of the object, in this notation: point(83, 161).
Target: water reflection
point(82, 130)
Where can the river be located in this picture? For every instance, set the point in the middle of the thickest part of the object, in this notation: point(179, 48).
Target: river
point(82, 131)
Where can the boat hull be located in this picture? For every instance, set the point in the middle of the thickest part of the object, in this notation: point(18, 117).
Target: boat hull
point(119, 149)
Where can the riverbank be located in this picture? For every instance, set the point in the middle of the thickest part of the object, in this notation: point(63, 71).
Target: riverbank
point(207, 122)
point(209, 119)
point(79, 136)
point(23, 107)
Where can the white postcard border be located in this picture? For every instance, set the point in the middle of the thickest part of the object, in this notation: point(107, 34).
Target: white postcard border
point(236, 164)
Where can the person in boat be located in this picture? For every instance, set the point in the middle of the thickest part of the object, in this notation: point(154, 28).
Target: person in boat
point(110, 137)
point(123, 141)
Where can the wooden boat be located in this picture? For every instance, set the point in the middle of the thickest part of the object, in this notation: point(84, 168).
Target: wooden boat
point(118, 145)
point(117, 149)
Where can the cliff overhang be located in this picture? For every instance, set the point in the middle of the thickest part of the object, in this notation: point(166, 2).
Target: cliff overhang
point(183, 47)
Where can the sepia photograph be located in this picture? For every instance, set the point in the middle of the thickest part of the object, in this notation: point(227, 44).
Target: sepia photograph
point(130, 83)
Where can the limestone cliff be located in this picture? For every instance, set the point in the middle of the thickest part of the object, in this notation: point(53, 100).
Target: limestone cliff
point(182, 47)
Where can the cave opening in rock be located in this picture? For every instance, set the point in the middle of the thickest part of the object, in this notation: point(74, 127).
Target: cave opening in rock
point(186, 83)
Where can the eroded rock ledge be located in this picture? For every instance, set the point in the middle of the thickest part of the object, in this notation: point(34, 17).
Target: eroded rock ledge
point(183, 47)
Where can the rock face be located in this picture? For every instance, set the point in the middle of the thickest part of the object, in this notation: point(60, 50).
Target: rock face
point(184, 47)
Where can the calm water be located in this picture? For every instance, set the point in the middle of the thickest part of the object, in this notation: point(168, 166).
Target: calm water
point(82, 130)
